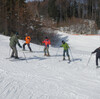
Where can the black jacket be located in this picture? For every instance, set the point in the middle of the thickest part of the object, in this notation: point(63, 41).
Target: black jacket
point(97, 51)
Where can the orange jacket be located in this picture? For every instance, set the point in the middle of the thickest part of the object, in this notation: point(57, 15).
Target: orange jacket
point(27, 39)
point(47, 42)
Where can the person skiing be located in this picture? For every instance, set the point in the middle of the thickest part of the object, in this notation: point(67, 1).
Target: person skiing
point(27, 42)
point(46, 49)
point(66, 47)
point(97, 51)
point(13, 41)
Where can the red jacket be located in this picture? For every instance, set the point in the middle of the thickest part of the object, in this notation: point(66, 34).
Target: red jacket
point(47, 42)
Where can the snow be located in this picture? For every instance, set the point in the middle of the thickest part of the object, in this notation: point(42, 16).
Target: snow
point(50, 77)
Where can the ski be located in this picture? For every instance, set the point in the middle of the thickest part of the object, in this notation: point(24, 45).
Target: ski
point(97, 67)
point(20, 59)
point(26, 51)
point(13, 59)
point(65, 60)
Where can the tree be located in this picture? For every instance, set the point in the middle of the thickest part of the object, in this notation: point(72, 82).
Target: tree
point(52, 9)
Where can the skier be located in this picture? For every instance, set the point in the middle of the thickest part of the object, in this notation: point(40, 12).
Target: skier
point(66, 47)
point(97, 51)
point(13, 42)
point(47, 43)
point(27, 42)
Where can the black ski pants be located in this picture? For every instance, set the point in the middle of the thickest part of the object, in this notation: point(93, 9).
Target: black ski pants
point(97, 58)
point(27, 45)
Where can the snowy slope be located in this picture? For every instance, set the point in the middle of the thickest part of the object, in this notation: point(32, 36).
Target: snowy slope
point(50, 77)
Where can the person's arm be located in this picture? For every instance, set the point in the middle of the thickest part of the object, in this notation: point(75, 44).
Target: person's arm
point(43, 41)
point(19, 45)
point(17, 42)
point(61, 45)
point(67, 45)
point(94, 51)
point(25, 38)
point(49, 42)
point(30, 38)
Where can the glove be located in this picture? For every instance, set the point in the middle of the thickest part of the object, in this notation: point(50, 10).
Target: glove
point(91, 52)
point(20, 46)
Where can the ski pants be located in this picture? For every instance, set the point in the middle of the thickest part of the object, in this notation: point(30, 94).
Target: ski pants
point(46, 50)
point(14, 51)
point(65, 51)
point(97, 57)
point(27, 45)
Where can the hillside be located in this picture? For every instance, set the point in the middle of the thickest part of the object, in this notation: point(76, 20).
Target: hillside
point(49, 77)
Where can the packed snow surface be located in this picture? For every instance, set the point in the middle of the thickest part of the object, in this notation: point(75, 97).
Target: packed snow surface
point(42, 77)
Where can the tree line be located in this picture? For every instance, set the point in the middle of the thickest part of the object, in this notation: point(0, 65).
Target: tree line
point(14, 16)
point(62, 10)
point(22, 16)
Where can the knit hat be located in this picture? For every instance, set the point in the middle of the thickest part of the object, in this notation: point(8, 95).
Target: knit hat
point(17, 33)
point(26, 33)
point(63, 41)
point(46, 37)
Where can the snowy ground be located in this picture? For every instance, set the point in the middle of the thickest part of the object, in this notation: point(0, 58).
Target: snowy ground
point(50, 77)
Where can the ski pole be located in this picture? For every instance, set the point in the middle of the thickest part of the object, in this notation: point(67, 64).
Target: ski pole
point(89, 59)
point(9, 51)
point(71, 54)
point(25, 57)
point(57, 52)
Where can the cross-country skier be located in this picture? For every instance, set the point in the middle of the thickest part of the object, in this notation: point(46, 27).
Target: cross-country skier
point(97, 51)
point(46, 49)
point(13, 42)
point(27, 42)
point(66, 47)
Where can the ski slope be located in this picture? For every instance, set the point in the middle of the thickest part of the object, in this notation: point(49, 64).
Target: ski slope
point(44, 77)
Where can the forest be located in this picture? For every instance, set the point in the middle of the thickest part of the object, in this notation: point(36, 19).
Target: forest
point(33, 16)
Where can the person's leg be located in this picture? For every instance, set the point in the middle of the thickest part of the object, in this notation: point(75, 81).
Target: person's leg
point(68, 54)
point(29, 47)
point(44, 51)
point(64, 54)
point(12, 54)
point(24, 46)
point(48, 51)
point(15, 51)
point(97, 61)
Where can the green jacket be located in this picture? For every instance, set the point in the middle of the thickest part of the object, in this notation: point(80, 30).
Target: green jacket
point(65, 46)
point(14, 41)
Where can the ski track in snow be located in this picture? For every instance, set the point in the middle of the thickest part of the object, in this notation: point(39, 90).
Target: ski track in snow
point(48, 77)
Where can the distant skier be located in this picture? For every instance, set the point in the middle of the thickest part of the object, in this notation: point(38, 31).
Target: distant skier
point(13, 42)
point(46, 49)
point(97, 51)
point(27, 42)
point(66, 47)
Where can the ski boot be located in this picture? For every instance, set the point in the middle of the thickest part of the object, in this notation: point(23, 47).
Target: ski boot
point(16, 57)
point(45, 54)
point(69, 59)
point(96, 66)
point(48, 54)
point(63, 58)
point(12, 56)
